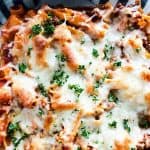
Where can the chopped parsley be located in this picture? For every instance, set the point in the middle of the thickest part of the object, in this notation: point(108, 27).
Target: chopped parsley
point(48, 27)
point(82, 41)
point(40, 111)
point(29, 51)
point(61, 58)
point(126, 125)
point(101, 81)
point(138, 49)
point(113, 124)
point(22, 67)
point(36, 29)
point(76, 89)
point(79, 148)
point(16, 141)
point(59, 77)
point(12, 128)
point(123, 36)
point(94, 98)
point(49, 15)
point(95, 53)
point(112, 97)
point(109, 115)
point(132, 148)
point(85, 133)
point(117, 64)
point(81, 69)
point(90, 63)
point(42, 90)
point(108, 49)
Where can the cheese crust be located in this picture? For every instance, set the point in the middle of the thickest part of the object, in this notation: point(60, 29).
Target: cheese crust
point(75, 79)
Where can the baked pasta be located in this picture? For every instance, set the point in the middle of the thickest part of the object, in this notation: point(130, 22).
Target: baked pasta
point(75, 79)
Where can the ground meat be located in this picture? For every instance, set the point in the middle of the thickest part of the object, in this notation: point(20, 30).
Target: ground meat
point(6, 53)
point(144, 144)
point(146, 44)
point(144, 120)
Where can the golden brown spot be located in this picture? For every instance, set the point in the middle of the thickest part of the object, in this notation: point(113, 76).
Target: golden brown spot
point(40, 45)
point(145, 75)
point(13, 20)
point(147, 97)
point(48, 121)
point(147, 55)
point(89, 89)
point(63, 106)
point(25, 97)
point(71, 61)
point(5, 96)
point(125, 145)
point(133, 43)
point(4, 121)
point(127, 68)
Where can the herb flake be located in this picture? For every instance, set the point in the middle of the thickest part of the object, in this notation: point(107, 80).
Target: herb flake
point(108, 49)
point(40, 111)
point(112, 97)
point(113, 124)
point(117, 64)
point(22, 67)
point(12, 128)
point(48, 27)
point(81, 69)
point(42, 90)
point(95, 53)
point(36, 29)
point(76, 89)
point(126, 125)
point(85, 133)
point(59, 77)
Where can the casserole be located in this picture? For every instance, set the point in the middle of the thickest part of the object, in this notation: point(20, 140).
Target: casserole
point(75, 79)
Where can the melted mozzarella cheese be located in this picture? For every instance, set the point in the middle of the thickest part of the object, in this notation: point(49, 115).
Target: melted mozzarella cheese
point(130, 90)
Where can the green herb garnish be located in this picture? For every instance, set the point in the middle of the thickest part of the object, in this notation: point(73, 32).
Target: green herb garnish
point(22, 67)
point(12, 128)
point(42, 90)
point(16, 141)
point(84, 132)
point(113, 124)
point(138, 49)
point(61, 58)
point(59, 77)
point(76, 89)
point(40, 111)
point(108, 49)
point(82, 41)
point(81, 69)
point(94, 98)
point(29, 51)
point(50, 15)
point(112, 97)
point(125, 125)
point(48, 27)
point(109, 115)
point(101, 81)
point(132, 148)
point(36, 29)
point(117, 64)
point(79, 148)
point(95, 53)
